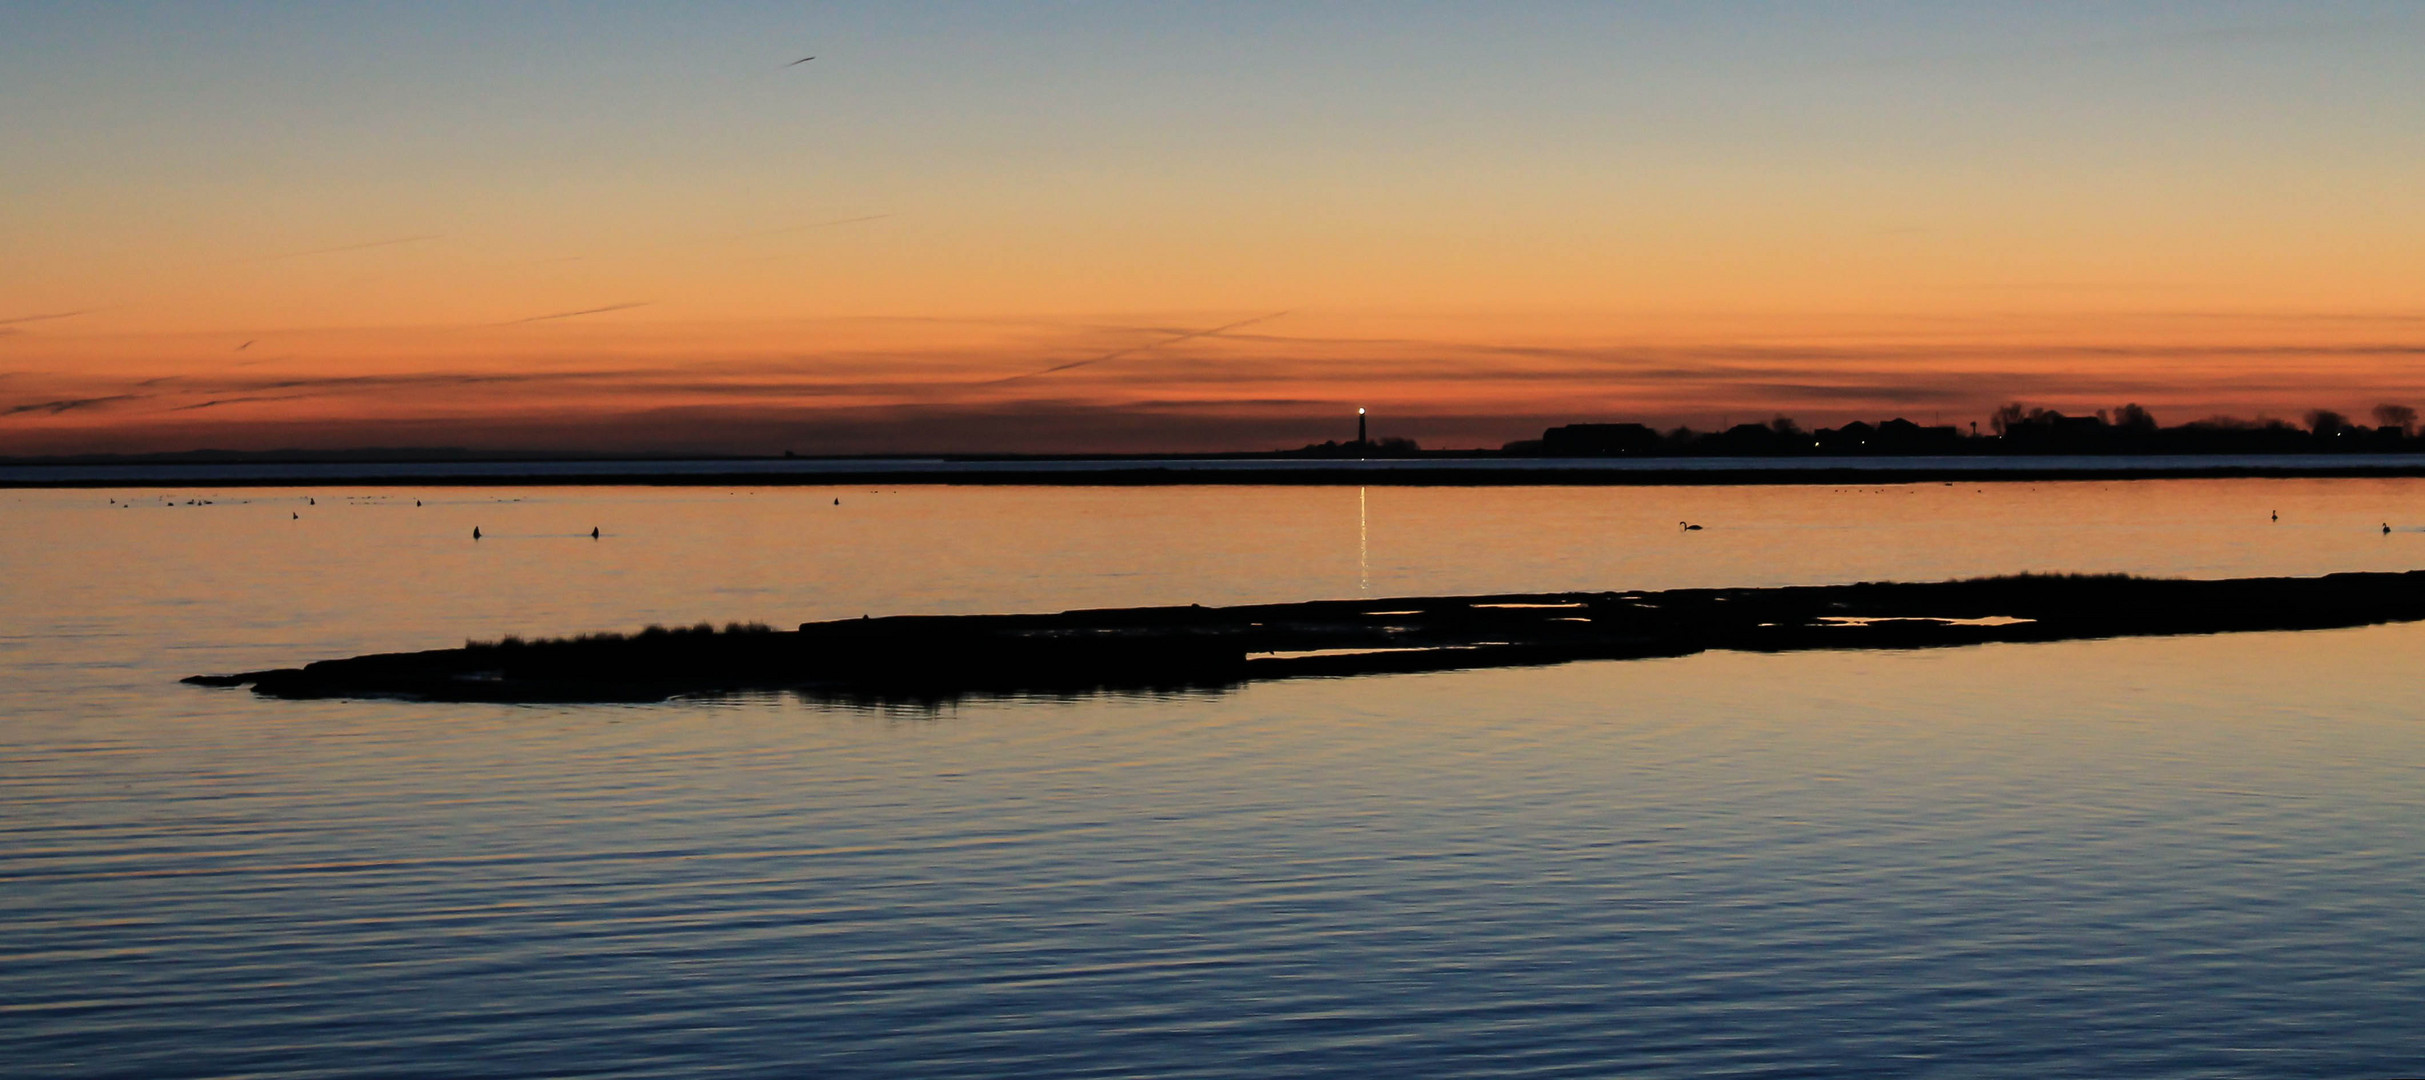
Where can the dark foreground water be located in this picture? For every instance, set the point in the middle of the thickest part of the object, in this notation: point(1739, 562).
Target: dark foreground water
point(2157, 857)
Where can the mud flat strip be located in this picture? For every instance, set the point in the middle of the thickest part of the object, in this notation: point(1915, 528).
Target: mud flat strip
point(940, 657)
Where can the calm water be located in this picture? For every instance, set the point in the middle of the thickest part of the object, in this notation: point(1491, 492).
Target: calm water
point(2184, 857)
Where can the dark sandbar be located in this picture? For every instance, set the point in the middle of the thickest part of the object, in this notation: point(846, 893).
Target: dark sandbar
point(938, 657)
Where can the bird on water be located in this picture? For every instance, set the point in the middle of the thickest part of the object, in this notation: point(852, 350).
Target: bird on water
point(593, 532)
point(475, 532)
point(1686, 526)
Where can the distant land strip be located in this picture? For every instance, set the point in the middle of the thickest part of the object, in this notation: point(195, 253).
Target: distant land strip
point(938, 658)
point(1426, 470)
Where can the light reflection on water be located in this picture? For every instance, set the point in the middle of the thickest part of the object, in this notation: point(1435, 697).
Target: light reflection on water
point(2154, 857)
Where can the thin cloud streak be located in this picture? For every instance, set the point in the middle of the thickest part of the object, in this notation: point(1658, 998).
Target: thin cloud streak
point(1233, 390)
point(575, 314)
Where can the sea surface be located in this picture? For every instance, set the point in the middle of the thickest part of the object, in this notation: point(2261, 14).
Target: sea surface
point(2157, 857)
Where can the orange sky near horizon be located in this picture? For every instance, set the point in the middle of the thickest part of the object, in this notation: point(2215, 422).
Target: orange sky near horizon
point(969, 229)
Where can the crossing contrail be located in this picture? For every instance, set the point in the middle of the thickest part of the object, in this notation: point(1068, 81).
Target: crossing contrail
point(1133, 350)
point(39, 318)
point(570, 314)
point(352, 247)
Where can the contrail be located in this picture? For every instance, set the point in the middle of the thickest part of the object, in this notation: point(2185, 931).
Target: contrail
point(351, 247)
point(1134, 350)
point(39, 318)
point(56, 407)
point(570, 314)
point(216, 402)
point(819, 225)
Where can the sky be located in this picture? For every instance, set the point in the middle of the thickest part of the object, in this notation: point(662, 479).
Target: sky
point(1175, 227)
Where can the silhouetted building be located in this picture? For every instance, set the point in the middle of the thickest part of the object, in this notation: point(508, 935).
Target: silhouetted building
point(1599, 440)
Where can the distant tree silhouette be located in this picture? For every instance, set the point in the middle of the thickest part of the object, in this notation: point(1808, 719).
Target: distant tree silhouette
point(2134, 418)
point(2396, 416)
point(2020, 428)
point(2008, 416)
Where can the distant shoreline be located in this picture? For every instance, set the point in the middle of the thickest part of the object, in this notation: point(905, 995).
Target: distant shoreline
point(1432, 471)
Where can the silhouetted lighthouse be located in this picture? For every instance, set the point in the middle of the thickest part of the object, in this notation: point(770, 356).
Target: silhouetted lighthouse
point(1360, 440)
